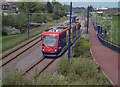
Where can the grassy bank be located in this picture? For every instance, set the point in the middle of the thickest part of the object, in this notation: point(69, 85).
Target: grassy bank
point(115, 29)
point(80, 70)
point(11, 41)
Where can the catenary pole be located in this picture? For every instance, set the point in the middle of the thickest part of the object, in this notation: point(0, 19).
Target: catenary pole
point(28, 23)
point(87, 19)
point(69, 30)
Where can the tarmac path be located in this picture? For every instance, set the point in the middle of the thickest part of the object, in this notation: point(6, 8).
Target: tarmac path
point(105, 57)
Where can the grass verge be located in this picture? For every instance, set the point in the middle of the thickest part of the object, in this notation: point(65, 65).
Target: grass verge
point(11, 41)
point(80, 70)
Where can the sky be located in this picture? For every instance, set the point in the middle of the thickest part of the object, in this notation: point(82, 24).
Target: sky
point(84, 3)
point(94, 4)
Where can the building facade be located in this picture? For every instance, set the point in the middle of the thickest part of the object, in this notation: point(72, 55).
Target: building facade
point(9, 6)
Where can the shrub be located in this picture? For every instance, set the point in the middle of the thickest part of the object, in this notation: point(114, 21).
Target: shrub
point(81, 48)
point(81, 72)
point(74, 72)
point(48, 17)
point(55, 17)
point(85, 68)
point(8, 30)
point(47, 79)
point(18, 21)
point(63, 67)
point(14, 77)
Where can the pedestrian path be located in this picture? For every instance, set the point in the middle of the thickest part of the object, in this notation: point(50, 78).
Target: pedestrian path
point(105, 57)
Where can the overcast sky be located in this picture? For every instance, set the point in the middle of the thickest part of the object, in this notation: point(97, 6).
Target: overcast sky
point(84, 3)
point(94, 4)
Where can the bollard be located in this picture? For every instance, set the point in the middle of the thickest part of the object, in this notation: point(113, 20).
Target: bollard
point(98, 27)
point(101, 30)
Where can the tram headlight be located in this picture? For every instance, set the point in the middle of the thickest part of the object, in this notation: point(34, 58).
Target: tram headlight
point(43, 49)
point(55, 50)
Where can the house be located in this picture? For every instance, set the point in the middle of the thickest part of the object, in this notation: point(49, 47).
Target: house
point(9, 6)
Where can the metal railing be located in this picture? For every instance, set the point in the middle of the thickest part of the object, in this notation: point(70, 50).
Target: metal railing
point(108, 44)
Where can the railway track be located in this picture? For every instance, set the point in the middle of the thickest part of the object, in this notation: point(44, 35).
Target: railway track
point(37, 63)
point(19, 47)
point(17, 51)
point(40, 62)
point(20, 50)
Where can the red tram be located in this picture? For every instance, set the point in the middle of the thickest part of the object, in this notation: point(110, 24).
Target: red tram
point(55, 40)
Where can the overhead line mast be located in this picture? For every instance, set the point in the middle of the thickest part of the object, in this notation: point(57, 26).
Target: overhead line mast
point(69, 31)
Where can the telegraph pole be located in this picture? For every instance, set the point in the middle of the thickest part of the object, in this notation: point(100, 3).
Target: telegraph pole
point(69, 31)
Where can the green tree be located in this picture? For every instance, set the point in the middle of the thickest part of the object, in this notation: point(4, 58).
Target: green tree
point(40, 7)
point(24, 6)
point(49, 7)
point(8, 20)
point(91, 8)
point(58, 9)
point(21, 23)
point(18, 21)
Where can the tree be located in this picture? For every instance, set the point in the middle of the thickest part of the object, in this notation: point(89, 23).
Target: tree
point(24, 6)
point(40, 7)
point(8, 20)
point(91, 8)
point(49, 7)
point(58, 9)
point(17, 21)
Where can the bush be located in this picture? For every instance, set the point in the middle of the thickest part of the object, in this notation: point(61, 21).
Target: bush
point(55, 17)
point(82, 48)
point(8, 30)
point(47, 79)
point(63, 67)
point(82, 70)
point(48, 17)
point(18, 21)
point(14, 77)
point(75, 72)
point(8, 20)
